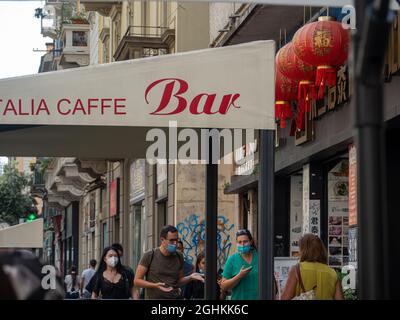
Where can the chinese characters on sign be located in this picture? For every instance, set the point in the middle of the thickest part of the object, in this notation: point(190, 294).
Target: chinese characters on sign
point(352, 186)
point(334, 97)
point(296, 214)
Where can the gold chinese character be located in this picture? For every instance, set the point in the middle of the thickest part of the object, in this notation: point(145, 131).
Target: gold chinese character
point(322, 41)
point(341, 86)
point(341, 74)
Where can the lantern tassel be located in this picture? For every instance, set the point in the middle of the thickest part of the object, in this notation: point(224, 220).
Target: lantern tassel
point(300, 123)
point(283, 111)
point(326, 76)
point(306, 94)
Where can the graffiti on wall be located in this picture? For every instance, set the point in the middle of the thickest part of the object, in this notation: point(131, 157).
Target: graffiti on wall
point(192, 232)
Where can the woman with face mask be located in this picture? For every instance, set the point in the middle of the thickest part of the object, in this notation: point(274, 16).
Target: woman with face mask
point(241, 269)
point(195, 289)
point(72, 284)
point(112, 281)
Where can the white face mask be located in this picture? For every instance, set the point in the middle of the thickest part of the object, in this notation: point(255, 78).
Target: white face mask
point(112, 261)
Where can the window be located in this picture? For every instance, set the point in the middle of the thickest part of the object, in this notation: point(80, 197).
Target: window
point(104, 236)
point(79, 39)
point(136, 229)
point(161, 215)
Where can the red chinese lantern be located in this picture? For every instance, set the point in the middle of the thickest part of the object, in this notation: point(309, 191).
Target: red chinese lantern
point(324, 44)
point(285, 92)
point(292, 67)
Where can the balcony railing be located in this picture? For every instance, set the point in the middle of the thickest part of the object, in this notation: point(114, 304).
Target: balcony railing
point(145, 31)
point(38, 178)
point(144, 41)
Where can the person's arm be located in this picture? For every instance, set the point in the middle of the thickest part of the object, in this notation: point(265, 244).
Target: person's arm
point(135, 293)
point(339, 291)
point(141, 283)
point(290, 288)
point(81, 283)
point(185, 280)
point(229, 284)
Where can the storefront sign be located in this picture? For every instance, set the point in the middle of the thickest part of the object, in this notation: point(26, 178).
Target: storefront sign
point(296, 214)
point(244, 159)
point(113, 197)
point(334, 97)
point(311, 207)
point(392, 64)
point(210, 88)
point(137, 172)
point(352, 186)
point(353, 246)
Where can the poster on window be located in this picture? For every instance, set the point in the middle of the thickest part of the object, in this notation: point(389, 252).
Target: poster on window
point(352, 245)
point(338, 215)
point(352, 186)
point(306, 199)
point(338, 182)
point(282, 267)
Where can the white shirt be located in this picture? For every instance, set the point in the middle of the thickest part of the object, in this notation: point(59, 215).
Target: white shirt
point(68, 282)
point(87, 274)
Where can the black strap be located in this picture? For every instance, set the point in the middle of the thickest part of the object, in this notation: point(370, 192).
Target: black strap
point(151, 260)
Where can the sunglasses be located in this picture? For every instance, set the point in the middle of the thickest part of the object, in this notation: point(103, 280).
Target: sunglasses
point(243, 232)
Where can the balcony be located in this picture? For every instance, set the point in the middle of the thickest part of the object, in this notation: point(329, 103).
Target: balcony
point(144, 41)
point(50, 21)
point(102, 7)
point(67, 179)
point(75, 38)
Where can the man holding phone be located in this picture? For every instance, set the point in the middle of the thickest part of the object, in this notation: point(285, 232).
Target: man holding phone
point(241, 269)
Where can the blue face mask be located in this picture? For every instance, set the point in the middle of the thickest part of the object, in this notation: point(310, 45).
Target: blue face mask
point(243, 249)
point(171, 248)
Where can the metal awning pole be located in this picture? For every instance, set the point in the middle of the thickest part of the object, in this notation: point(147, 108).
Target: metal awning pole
point(372, 268)
point(266, 215)
point(211, 189)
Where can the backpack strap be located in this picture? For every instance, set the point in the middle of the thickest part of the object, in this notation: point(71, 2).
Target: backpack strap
point(151, 260)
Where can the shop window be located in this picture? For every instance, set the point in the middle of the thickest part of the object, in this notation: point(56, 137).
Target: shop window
point(116, 229)
point(104, 236)
point(338, 214)
point(161, 215)
point(136, 229)
point(245, 205)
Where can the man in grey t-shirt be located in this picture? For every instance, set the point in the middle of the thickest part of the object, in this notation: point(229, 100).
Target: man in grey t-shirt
point(87, 274)
point(163, 269)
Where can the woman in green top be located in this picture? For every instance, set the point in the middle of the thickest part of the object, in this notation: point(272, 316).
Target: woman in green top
point(241, 269)
point(314, 272)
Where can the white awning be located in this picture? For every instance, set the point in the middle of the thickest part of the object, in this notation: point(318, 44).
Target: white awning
point(23, 235)
point(229, 87)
